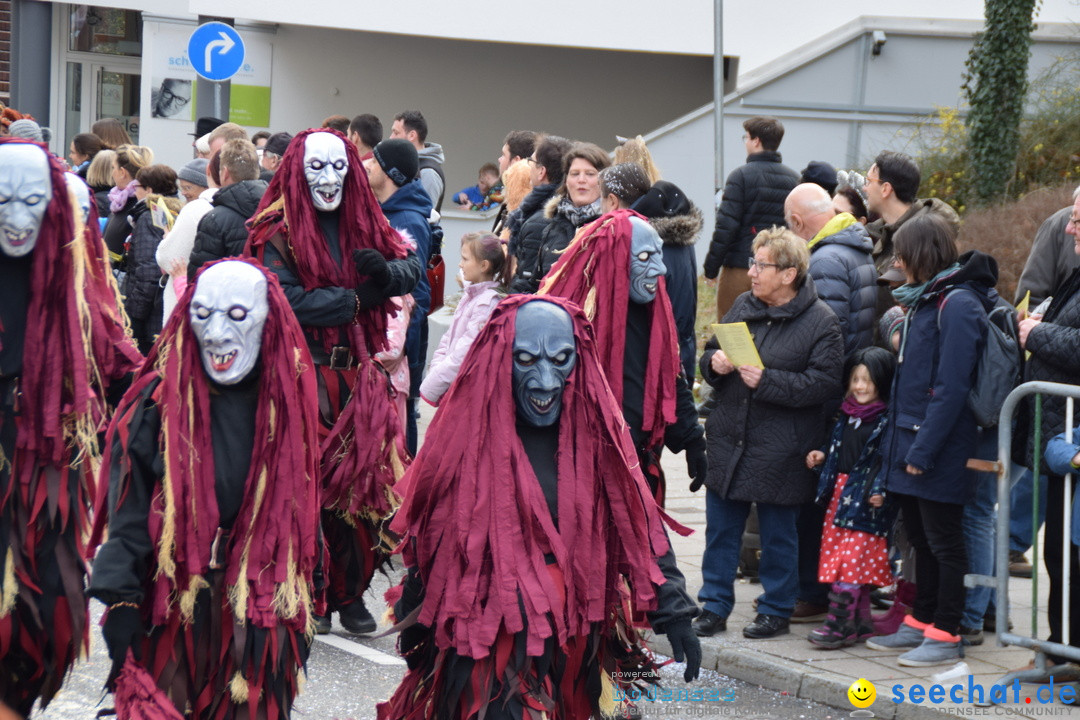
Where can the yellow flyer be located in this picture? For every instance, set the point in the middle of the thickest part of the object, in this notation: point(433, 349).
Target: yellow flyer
point(1022, 306)
point(737, 343)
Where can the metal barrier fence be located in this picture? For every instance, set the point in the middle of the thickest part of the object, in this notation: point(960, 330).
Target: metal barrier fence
point(1000, 581)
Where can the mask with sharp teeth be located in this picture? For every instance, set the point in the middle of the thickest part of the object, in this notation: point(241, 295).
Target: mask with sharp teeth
point(325, 167)
point(25, 191)
point(81, 193)
point(544, 355)
point(228, 311)
point(646, 261)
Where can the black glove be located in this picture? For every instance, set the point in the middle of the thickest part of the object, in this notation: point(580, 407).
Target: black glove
point(685, 647)
point(369, 295)
point(697, 464)
point(123, 630)
point(370, 262)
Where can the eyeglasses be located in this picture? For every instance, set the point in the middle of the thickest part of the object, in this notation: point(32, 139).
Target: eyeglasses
point(533, 161)
point(752, 263)
point(177, 100)
point(1074, 221)
point(870, 181)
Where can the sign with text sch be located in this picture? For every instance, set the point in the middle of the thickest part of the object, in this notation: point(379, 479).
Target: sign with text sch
point(216, 51)
point(738, 344)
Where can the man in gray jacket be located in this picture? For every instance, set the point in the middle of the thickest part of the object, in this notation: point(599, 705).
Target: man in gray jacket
point(840, 261)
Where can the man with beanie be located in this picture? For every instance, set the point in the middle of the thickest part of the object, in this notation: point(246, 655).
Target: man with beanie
point(222, 231)
point(392, 170)
point(192, 178)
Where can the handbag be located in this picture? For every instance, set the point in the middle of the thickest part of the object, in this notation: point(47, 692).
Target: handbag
point(436, 275)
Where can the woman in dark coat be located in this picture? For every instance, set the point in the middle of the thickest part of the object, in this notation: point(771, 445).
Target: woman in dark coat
point(142, 289)
point(1054, 343)
point(932, 431)
point(765, 422)
point(129, 160)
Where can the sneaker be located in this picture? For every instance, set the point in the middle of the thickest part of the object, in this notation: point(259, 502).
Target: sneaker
point(708, 624)
point(766, 626)
point(990, 623)
point(905, 637)
point(932, 652)
point(322, 624)
point(809, 612)
point(356, 619)
point(1019, 567)
point(970, 636)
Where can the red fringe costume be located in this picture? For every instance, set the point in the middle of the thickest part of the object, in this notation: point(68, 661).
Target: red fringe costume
point(594, 273)
point(518, 617)
point(52, 406)
point(363, 443)
point(220, 638)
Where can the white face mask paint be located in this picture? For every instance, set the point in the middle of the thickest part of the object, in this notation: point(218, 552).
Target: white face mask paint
point(325, 167)
point(25, 191)
point(81, 192)
point(228, 312)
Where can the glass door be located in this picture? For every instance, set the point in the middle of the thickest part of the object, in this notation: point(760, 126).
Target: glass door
point(115, 95)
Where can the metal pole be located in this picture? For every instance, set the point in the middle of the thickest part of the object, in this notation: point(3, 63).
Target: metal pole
point(1066, 535)
point(718, 92)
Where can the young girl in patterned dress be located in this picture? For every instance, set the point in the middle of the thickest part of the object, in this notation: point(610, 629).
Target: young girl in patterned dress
point(854, 549)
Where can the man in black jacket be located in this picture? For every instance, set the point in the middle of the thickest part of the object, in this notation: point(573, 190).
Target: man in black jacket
point(546, 174)
point(753, 201)
point(222, 232)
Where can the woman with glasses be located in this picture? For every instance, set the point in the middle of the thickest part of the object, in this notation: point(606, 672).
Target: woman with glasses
point(765, 422)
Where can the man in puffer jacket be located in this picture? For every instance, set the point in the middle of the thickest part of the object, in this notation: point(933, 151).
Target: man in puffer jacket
point(840, 261)
point(222, 231)
point(753, 201)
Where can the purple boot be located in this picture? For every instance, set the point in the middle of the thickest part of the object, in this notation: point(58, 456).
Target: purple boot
point(839, 629)
point(889, 622)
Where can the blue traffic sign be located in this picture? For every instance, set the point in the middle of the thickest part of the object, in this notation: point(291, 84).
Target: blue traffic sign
point(216, 51)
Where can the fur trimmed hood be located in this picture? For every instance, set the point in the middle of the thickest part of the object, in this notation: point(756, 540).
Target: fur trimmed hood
point(680, 230)
point(552, 204)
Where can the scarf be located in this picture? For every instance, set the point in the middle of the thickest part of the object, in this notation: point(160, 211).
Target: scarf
point(862, 413)
point(471, 495)
point(908, 295)
point(836, 224)
point(594, 273)
point(118, 197)
point(272, 548)
point(578, 215)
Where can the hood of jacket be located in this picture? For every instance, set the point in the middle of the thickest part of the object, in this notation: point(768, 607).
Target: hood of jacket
point(757, 310)
point(978, 272)
point(410, 196)
point(536, 199)
point(680, 230)
point(433, 151)
point(854, 236)
point(882, 232)
point(242, 197)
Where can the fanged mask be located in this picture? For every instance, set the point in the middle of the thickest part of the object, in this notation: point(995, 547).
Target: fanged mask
point(25, 191)
point(646, 262)
point(325, 166)
point(228, 311)
point(544, 355)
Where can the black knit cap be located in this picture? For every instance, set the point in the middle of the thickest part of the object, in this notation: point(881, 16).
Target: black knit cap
point(278, 143)
point(820, 173)
point(664, 199)
point(398, 159)
point(205, 125)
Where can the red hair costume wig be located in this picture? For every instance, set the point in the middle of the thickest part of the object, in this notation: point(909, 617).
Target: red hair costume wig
point(594, 273)
point(51, 409)
point(249, 646)
point(514, 607)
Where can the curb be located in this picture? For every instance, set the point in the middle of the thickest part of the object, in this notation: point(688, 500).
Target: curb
point(795, 679)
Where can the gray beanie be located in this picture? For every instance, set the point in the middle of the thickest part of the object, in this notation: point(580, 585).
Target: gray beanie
point(195, 172)
point(26, 129)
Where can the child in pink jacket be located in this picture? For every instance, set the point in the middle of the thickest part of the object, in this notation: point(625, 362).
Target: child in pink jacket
point(482, 261)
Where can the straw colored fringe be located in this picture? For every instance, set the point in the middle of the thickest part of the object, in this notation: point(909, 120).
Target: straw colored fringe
point(10, 589)
point(166, 548)
point(238, 688)
point(189, 596)
point(606, 702)
point(239, 593)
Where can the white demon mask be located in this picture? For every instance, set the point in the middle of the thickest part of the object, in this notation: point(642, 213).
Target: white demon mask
point(325, 168)
point(25, 191)
point(81, 192)
point(228, 311)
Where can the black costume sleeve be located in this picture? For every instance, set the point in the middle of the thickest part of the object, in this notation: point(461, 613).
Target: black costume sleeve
point(121, 565)
point(686, 430)
point(404, 276)
point(320, 307)
point(412, 597)
point(672, 601)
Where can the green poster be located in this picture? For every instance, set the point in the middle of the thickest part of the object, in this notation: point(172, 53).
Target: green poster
point(249, 105)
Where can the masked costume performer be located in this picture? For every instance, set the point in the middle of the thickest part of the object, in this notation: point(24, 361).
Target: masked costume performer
point(526, 536)
point(614, 269)
point(213, 503)
point(62, 342)
point(320, 229)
